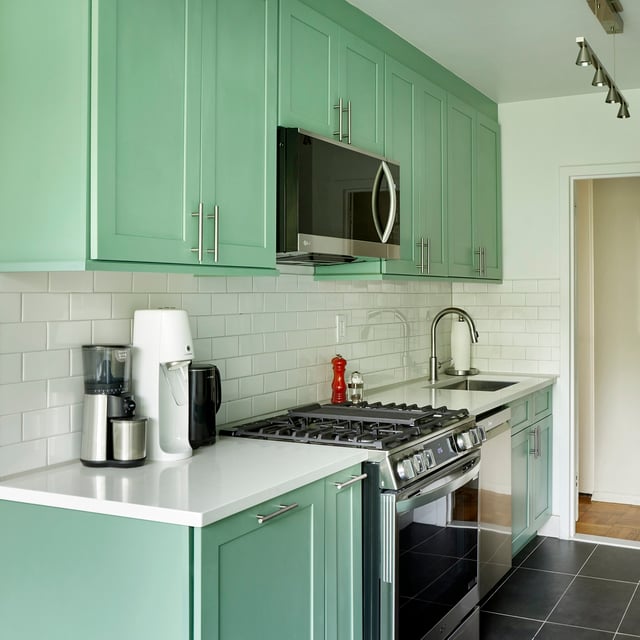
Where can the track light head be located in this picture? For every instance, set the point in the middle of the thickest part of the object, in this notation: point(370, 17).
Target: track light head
point(584, 57)
point(623, 112)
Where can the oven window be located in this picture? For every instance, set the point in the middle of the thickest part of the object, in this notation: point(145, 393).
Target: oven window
point(438, 559)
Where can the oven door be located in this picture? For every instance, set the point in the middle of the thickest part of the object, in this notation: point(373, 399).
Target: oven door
point(429, 553)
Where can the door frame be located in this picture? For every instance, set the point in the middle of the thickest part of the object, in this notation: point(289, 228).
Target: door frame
point(566, 467)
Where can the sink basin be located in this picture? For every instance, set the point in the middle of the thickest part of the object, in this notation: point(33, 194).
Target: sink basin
point(469, 384)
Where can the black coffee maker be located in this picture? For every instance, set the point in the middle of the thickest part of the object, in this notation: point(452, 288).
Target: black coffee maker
point(205, 397)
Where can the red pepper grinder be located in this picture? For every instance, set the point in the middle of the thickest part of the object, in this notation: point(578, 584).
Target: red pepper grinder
point(338, 386)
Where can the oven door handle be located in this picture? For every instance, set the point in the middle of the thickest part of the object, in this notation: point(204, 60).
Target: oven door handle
point(438, 488)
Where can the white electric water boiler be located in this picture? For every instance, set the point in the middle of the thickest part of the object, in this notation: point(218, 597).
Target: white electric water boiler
point(163, 350)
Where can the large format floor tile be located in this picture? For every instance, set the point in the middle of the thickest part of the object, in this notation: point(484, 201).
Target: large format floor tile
point(614, 563)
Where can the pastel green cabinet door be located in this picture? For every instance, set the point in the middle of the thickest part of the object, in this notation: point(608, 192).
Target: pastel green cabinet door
point(541, 472)
point(70, 575)
point(461, 186)
point(147, 66)
point(308, 69)
point(400, 146)
point(488, 219)
point(239, 132)
point(343, 555)
point(520, 489)
point(44, 98)
point(431, 180)
point(264, 580)
point(362, 85)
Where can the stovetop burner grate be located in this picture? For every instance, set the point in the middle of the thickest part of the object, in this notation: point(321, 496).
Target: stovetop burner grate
point(368, 425)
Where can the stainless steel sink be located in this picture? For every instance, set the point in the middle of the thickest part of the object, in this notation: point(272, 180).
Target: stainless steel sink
point(469, 384)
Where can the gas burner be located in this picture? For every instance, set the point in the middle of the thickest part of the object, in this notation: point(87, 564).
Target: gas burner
point(368, 425)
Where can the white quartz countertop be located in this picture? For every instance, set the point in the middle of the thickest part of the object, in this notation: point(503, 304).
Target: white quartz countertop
point(422, 392)
point(216, 482)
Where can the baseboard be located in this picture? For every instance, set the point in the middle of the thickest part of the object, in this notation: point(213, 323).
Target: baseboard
point(618, 498)
point(551, 527)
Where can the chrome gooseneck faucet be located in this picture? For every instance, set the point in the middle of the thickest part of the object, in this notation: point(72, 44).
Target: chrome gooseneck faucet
point(433, 360)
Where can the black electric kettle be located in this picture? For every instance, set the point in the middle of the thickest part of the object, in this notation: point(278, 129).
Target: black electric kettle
point(205, 397)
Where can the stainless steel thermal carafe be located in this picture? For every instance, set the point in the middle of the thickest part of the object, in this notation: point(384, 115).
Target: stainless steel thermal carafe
point(129, 441)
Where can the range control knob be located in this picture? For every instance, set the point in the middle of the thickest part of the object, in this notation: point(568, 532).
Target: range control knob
point(430, 460)
point(463, 441)
point(419, 462)
point(405, 469)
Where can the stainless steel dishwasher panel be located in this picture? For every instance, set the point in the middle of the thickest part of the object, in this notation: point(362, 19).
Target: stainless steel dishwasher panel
point(494, 524)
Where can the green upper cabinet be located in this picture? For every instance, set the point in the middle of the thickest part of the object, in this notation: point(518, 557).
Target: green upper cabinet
point(415, 134)
point(183, 131)
point(324, 67)
point(44, 101)
point(474, 204)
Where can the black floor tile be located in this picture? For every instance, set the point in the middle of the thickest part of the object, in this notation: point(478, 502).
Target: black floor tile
point(564, 556)
point(499, 627)
point(526, 551)
point(631, 621)
point(552, 631)
point(613, 563)
point(593, 603)
point(529, 593)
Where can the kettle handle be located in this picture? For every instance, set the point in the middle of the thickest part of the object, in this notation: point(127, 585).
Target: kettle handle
point(216, 373)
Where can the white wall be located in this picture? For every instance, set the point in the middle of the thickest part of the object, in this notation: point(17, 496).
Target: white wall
point(544, 143)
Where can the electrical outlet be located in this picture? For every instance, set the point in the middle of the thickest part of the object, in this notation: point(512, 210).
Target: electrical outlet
point(341, 327)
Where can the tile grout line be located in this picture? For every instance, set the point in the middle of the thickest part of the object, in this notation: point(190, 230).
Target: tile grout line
point(564, 592)
point(626, 609)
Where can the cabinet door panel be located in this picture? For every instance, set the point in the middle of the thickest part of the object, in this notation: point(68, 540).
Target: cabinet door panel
point(44, 77)
point(343, 557)
point(541, 473)
point(488, 224)
point(263, 580)
point(239, 127)
point(520, 501)
point(460, 168)
point(362, 83)
point(145, 134)
point(400, 140)
point(308, 69)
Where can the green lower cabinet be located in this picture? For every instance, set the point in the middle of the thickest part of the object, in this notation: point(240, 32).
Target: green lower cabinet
point(264, 580)
point(343, 555)
point(70, 575)
point(531, 471)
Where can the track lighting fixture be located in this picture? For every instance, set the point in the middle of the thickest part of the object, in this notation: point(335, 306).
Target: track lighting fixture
point(601, 78)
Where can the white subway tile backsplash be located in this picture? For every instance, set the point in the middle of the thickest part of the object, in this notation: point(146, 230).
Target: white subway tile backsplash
point(61, 335)
point(45, 423)
point(10, 429)
point(45, 306)
point(26, 336)
point(42, 365)
point(21, 282)
point(90, 306)
point(272, 339)
point(10, 368)
point(10, 307)
point(68, 281)
point(112, 282)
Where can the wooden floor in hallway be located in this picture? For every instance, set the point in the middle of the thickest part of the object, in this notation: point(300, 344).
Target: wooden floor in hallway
point(608, 519)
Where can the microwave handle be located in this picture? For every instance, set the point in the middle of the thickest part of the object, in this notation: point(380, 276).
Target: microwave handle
point(384, 168)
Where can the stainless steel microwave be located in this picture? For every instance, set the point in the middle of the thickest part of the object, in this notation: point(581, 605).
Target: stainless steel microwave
point(336, 203)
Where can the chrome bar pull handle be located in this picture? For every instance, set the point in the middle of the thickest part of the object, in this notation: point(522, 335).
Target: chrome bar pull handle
point(341, 485)
point(340, 109)
point(282, 510)
point(216, 235)
point(349, 121)
point(535, 452)
point(200, 217)
point(478, 252)
point(428, 246)
point(484, 261)
point(420, 265)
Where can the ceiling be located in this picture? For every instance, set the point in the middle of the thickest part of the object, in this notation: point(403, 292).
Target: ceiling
point(513, 50)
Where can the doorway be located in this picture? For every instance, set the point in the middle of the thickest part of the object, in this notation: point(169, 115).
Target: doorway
point(607, 355)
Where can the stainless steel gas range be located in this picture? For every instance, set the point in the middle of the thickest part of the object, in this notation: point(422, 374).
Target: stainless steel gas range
point(420, 510)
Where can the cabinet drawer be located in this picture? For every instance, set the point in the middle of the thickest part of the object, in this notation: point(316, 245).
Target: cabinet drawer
point(541, 403)
point(520, 413)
